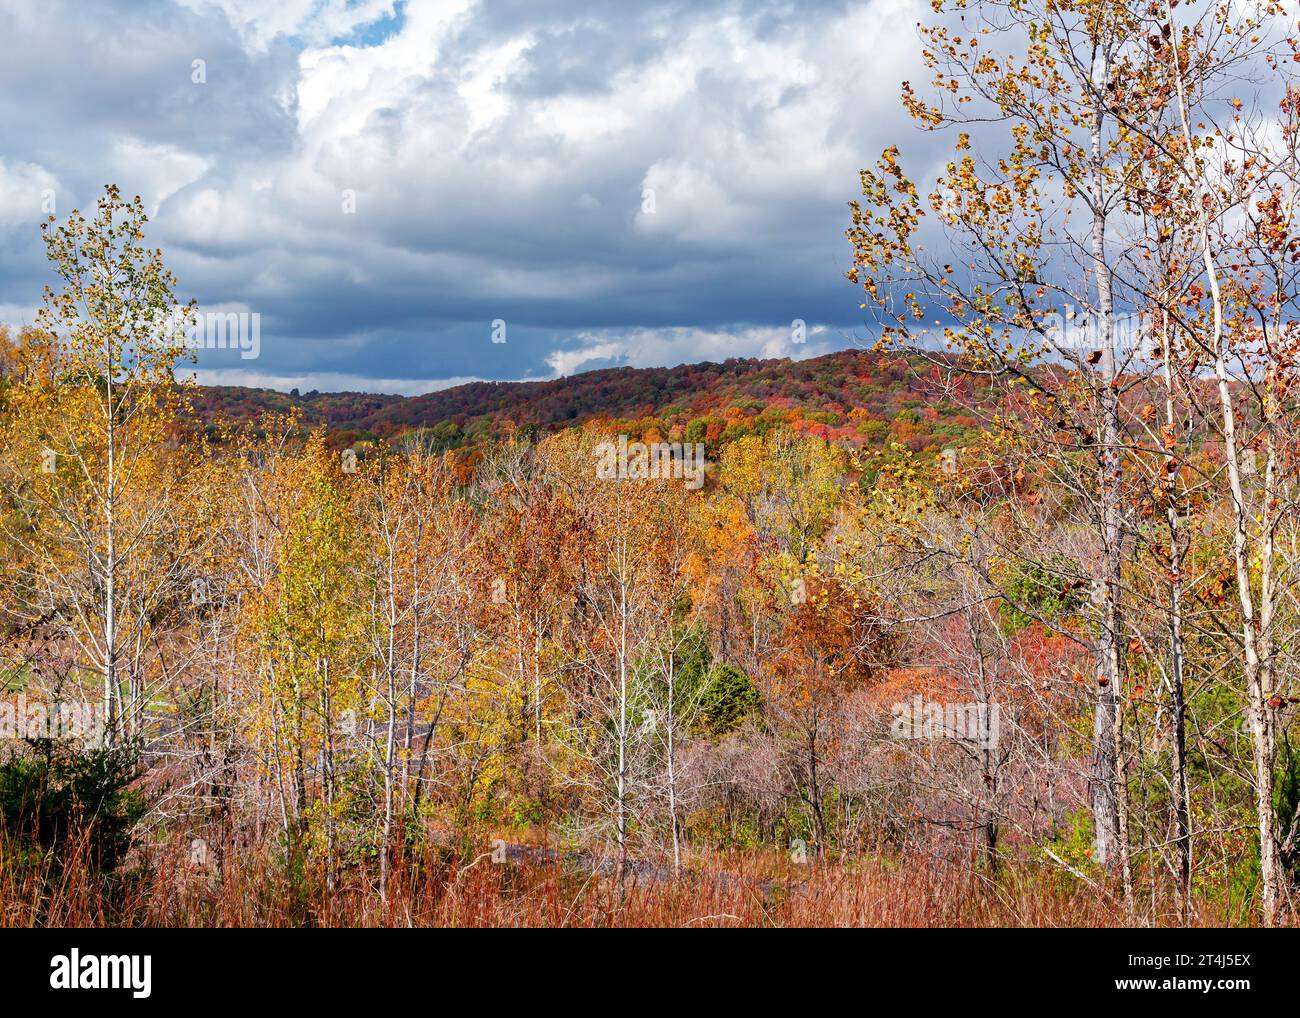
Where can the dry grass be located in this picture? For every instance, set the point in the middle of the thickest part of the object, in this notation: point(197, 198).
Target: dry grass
point(440, 890)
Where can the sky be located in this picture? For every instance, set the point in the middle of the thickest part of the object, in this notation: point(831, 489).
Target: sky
point(415, 194)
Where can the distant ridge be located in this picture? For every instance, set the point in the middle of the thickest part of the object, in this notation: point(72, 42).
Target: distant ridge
point(838, 395)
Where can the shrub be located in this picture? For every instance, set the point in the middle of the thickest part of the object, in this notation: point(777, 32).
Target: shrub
point(728, 699)
point(61, 791)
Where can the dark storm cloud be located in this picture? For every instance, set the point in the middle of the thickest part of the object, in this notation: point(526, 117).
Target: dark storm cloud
point(84, 75)
point(643, 183)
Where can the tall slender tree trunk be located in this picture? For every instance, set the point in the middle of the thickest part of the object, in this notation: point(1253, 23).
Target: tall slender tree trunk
point(621, 820)
point(327, 770)
point(1108, 773)
point(988, 750)
point(672, 766)
point(1255, 670)
point(413, 681)
point(1255, 628)
point(111, 693)
point(1178, 704)
point(390, 739)
point(537, 685)
point(814, 785)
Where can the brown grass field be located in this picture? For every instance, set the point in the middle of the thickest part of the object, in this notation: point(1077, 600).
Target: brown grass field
point(442, 889)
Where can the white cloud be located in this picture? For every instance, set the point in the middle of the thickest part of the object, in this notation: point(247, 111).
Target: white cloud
point(260, 21)
point(321, 381)
point(17, 315)
point(430, 128)
point(640, 348)
point(157, 171)
point(498, 152)
point(26, 192)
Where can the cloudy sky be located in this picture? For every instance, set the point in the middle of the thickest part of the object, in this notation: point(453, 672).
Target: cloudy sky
point(643, 183)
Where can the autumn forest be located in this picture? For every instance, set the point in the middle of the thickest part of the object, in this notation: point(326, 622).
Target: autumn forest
point(990, 620)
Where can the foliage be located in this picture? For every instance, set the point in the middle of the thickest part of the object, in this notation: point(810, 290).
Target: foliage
point(729, 700)
point(59, 793)
point(1040, 590)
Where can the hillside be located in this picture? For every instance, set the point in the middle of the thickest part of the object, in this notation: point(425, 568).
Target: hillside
point(850, 396)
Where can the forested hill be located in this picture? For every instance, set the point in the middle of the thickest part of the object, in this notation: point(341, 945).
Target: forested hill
point(854, 396)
